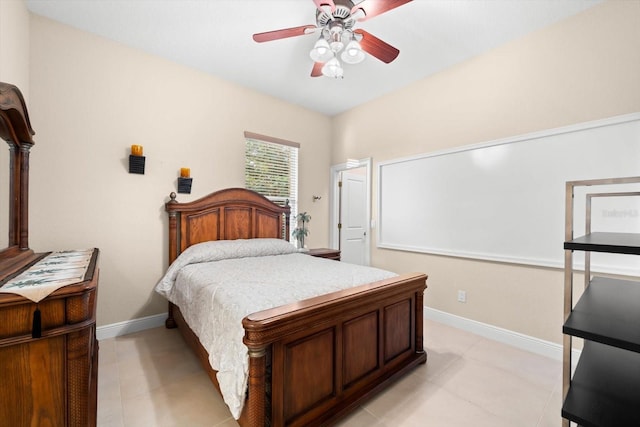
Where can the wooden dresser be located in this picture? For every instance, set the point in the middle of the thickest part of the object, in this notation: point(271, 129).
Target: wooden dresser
point(48, 349)
point(50, 380)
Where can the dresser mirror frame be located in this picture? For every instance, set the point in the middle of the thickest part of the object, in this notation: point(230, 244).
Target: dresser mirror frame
point(16, 131)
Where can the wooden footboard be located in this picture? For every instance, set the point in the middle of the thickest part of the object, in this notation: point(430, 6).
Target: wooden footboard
point(314, 361)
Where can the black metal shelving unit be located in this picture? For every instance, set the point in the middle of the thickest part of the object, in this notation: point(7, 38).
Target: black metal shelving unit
point(604, 390)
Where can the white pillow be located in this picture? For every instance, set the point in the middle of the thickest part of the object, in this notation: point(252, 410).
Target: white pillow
point(240, 248)
point(223, 249)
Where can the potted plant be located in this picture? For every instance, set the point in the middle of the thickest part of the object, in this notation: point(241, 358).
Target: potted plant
point(299, 233)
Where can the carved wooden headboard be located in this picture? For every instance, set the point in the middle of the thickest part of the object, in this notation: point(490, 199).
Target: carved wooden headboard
point(233, 213)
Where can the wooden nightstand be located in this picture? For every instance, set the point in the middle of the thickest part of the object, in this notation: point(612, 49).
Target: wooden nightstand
point(325, 253)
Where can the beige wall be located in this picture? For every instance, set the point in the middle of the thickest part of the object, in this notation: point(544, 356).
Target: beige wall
point(14, 44)
point(91, 99)
point(584, 68)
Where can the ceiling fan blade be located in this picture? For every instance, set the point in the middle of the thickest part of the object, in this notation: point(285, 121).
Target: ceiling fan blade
point(325, 5)
point(283, 34)
point(317, 69)
point(376, 47)
point(372, 8)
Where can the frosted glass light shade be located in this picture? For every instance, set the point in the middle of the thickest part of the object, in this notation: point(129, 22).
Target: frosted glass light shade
point(353, 54)
point(333, 68)
point(321, 51)
point(336, 46)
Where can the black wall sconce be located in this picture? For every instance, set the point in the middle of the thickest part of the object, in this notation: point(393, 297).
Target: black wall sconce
point(185, 181)
point(136, 160)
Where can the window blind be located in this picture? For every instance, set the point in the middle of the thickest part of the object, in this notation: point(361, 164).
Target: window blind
point(271, 169)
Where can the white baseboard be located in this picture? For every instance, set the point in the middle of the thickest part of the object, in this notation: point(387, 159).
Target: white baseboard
point(130, 326)
point(505, 336)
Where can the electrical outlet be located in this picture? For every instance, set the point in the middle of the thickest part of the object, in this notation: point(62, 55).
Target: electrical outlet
point(462, 296)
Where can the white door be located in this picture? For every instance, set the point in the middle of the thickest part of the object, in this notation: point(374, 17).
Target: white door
point(353, 216)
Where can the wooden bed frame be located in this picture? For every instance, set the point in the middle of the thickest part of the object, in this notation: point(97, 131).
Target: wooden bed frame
point(314, 361)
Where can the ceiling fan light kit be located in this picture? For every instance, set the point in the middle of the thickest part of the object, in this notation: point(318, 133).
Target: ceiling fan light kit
point(335, 20)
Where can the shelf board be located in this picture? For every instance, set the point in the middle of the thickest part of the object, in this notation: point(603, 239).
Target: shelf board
point(605, 390)
point(618, 243)
point(608, 312)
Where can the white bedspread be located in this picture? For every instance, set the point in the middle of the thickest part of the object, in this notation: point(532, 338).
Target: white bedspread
point(215, 291)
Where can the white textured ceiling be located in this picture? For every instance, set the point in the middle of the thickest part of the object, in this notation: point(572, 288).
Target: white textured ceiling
point(215, 36)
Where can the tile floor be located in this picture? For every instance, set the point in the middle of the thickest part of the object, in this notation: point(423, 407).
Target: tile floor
point(150, 378)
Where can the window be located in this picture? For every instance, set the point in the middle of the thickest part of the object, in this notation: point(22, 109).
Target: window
point(271, 169)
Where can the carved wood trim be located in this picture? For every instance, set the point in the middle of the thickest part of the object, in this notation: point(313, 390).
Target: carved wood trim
point(255, 409)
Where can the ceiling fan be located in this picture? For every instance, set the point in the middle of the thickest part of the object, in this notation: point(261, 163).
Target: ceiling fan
point(335, 21)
